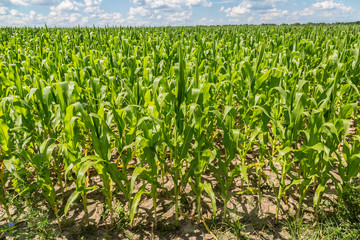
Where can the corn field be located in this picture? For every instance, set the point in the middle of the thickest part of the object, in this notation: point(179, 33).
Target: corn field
point(138, 106)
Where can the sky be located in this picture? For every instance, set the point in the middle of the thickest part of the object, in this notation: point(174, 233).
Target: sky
point(67, 13)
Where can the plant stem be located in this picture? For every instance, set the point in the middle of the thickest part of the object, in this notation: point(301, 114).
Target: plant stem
point(225, 208)
point(176, 205)
point(155, 205)
point(198, 208)
point(57, 216)
point(176, 177)
point(299, 206)
point(85, 208)
point(282, 183)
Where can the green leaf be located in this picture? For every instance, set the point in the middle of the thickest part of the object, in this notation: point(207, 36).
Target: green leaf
point(71, 199)
point(244, 175)
point(83, 169)
point(136, 173)
point(262, 79)
point(248, 191)
point(285, 151)
point(208, 189)
point(4, 135)
point(117, 177)
point(135, 203)
point(318, 193)
point(188, 136)
point(294, 182)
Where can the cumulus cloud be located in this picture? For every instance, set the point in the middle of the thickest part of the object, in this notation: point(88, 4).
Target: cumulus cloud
point(331, 5)
point(32, 2)
point(325, 10)
point(96, 13)
point(250, 6)
point(62, 13)
point(65, 13)
point(241, 9)
point(15, 17)
point(179, 16)
point(272, 14)
point(66, 5)
point(256, 11)
point(207, 21)
point(90, 3)
point(153, 4)
point(3, 10)
point(93, 6)
point(138, 11)
point(304, 13)
point(169, 10)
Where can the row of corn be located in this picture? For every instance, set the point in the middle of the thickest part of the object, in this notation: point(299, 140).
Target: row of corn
point(137, 105)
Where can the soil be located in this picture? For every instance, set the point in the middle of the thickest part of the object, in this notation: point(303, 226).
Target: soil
point(258, 217)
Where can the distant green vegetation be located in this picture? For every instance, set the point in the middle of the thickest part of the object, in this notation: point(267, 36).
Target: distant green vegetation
point(135, 106)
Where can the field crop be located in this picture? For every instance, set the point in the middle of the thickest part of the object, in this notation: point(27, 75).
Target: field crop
point(203, 108)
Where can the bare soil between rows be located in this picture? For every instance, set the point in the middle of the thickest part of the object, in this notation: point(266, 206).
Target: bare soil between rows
point(257, 217)
point(256, 212)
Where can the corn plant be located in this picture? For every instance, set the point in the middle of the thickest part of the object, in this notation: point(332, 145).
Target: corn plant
point(135, 105)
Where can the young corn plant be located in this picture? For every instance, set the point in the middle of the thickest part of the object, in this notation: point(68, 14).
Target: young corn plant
point(224, 174)
point(42, 164)
point(3, 179)
point(204, 154)
point(182, 131)
point(288, 131)
point(4, 136)
point(150, 145)
point(127, 143)
point(130, 104)
point(82, 167)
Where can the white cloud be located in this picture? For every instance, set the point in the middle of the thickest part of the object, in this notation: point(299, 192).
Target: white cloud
point(207, 21)
point(179, 16)
point(14, 12)
point(138, 11)
point(93, 6)
point(75, 17)
point(93, 9)
point(62, 13)
point(110, 19)
point(13, 17)
point(169, 10)
point(63, 19)
point(327, 10)
point(250, 6)
point(172, 3)
point(226, 2)
point(305, 12)
point(90, 3)
point(272, 14)
point(32, 2)
point(241, 9)
point(331, 5)
point(256, 11)
point(3, 10)
point(66, 5)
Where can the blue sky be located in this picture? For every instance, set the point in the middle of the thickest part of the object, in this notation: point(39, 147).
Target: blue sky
point(65, 13)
